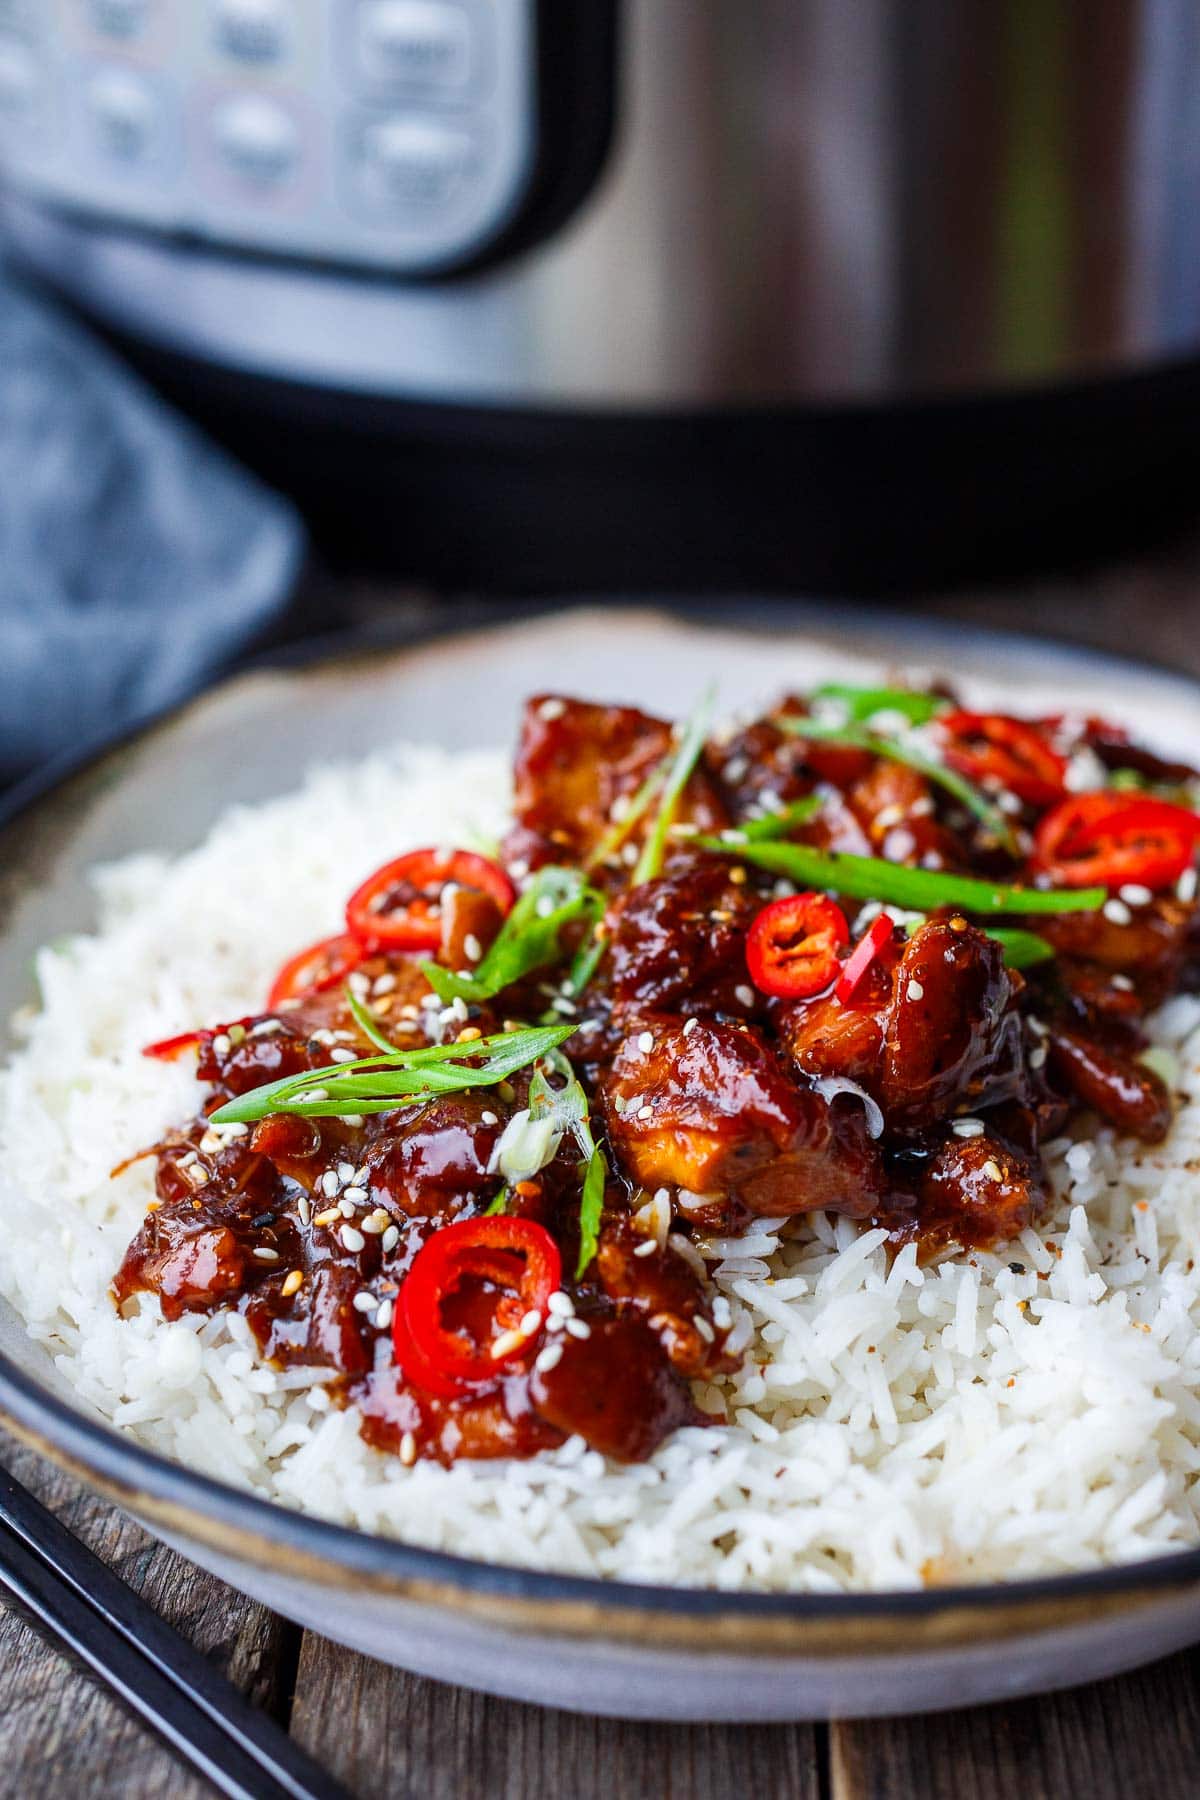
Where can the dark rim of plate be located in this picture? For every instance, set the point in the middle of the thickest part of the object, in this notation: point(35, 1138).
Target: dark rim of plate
point(139, 1472)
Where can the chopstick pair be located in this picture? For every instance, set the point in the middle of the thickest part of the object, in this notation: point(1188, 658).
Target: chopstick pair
point(154, 1670)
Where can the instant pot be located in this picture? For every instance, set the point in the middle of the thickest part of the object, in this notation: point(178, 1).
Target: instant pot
point(625, 292)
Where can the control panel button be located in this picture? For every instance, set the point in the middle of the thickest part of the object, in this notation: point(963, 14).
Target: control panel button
point(403, 163)
point(125, 116)
point(125, 20)
point(420, 46)
point(256, 139)
point(252, 31)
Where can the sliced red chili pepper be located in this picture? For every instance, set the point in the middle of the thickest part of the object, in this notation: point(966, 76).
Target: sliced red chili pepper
point(167, 1049)
point(321, 966)
point(1107, 839)
point(865, 955)
point(486, 1248)
point(991, 747)
point(792, 946)
point(399, 905)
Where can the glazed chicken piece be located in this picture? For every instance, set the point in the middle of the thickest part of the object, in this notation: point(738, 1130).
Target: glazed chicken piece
point(935, 1035)
point(678, 943)
point(707, 1107)
point(574, 761)
point(1110, 1081)
point(1150, 950)
point(975, 1190)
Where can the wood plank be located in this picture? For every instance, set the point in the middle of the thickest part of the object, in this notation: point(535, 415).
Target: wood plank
point(60, 1732)
point(1133, 1738)
point(387, 1735)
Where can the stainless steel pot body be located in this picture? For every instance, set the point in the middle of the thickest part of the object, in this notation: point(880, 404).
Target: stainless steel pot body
point(802, 202)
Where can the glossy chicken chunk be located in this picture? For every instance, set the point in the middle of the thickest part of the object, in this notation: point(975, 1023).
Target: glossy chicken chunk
point(976, 1190)
point(576, 762)
point(938, 1034)
point(679, 943)
point(707, 1107)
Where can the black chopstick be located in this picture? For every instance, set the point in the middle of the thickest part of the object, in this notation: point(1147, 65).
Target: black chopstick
point(162, 1677)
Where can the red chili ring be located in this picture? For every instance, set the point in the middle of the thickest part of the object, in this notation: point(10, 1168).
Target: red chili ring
point(866, 953)
point(323, 965)
point(415, 923)
point(1010, 751)
point(1109, 839)
point(425, 1348)
point(792, 946)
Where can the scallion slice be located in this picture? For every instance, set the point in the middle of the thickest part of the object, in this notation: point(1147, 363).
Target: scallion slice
point(686, 757)
point(873, 878)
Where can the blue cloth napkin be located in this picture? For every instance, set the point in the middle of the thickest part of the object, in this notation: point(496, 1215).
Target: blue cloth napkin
point(135, 558)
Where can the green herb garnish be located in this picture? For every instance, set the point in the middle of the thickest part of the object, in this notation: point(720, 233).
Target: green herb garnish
point(366, 1023)
point(566, 1107)
point(528, 939)
point(873, 878)
point(777, 824)
point(856, 737)
point(375, 1084)
point(686, 757)
point(616, 834)
point(864, 702)
point(1022, 949)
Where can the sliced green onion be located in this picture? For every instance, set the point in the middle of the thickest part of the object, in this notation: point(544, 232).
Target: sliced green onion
point(375, 1084)
point(567, 1108)
point(778, 824)
point(686, 758)
point(873, 878)
point(864, 702)
point(1022, 949)
point(528, 939)
point(366, 1024)
point(895, 750)
point(616, 834)
point(500, 1203)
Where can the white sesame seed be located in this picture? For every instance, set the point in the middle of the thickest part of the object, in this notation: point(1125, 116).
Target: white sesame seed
point(346, 1208)
point(914, 990)
point(352, 1240)
point(1117, 912)
point(383, 1317)
point(489, 1118)
point(390, 1239)
point(1135, 894)
point(646, 1248)
point(744, 995)
point(221, 1045)
point(992, 1170)
point(323, 1036)
point(330, 1182)
point(1185, 887)
point(1122, 983)
point(304, 1209)
point(1037, 1056)
point(408, 1449)
point(967, 1128)
point(364, 1302)
point(341, 1055)
point(704, 1328)
point(472, 947)
point(292, 1284)
point(645, 1112)
point(266, 1255)
point(568, 1008)
point(359, 984)
point(352, 1119)
point(375, 1222)
point(357, 1196)
point(531, 1322)
point(314, 1093)
point(629, 855)
point(384, 984)
point(645, 1042)
point(327, 1217)
point(548, 1359)
point(690, 1026)
point(459, 1009)
point(561, 1303)
point(506, 1343)
point(552, 709)
point(578, 1328)
point(544, 907)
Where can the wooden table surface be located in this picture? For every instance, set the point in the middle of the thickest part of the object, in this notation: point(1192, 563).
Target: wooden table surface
point(384, 1734)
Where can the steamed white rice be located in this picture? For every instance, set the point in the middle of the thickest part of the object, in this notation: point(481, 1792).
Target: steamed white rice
point(993, 1416)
